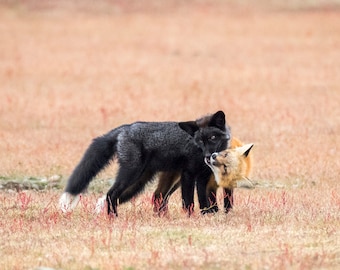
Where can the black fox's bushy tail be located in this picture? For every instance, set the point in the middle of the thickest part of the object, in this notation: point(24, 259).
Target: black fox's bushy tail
point(97, 157)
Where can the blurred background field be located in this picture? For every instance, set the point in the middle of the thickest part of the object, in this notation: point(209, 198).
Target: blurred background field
point(69, 74)
point(72, 70)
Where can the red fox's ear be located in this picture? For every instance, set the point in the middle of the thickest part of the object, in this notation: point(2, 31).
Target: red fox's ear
point(244, 149)
point(189, 127)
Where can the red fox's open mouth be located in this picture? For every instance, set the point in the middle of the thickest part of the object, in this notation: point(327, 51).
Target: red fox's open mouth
point(207, 161)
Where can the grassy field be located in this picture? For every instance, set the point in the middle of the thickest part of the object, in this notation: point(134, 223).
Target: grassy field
point(70, 72)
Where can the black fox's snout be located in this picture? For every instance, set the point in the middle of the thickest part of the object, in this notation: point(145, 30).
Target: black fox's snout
point(207, 160)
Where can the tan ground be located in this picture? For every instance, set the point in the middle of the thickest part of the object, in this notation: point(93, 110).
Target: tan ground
point(69, 73)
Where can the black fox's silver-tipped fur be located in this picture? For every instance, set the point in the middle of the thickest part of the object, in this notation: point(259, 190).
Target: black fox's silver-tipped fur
point(144, 148)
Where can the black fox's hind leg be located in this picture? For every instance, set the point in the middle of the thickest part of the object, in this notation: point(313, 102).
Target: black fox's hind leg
point(228, 199)
point(129, 182)
point(125, 178)
point(137, 187)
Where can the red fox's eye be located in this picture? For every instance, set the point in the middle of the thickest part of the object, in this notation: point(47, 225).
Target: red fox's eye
point(226, 154)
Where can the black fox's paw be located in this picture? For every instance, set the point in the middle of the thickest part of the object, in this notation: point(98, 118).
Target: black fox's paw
point(209, 210)
point(188, 208)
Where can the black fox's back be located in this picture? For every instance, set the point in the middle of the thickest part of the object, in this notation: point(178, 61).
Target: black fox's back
point(164, 144)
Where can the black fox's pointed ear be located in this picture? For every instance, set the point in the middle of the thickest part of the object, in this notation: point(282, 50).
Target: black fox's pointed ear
point(189, 127)
point(218, 120)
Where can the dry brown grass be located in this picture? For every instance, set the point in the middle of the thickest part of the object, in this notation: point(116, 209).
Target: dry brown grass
point(268, 229)
point(67, 76)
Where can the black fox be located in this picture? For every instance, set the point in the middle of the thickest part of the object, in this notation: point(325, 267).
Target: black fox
point(144, 148)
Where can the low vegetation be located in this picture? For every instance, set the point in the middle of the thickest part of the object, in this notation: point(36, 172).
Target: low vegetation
point(269, 228)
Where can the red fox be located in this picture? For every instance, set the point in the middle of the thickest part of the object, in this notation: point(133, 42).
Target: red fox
point(230, 168)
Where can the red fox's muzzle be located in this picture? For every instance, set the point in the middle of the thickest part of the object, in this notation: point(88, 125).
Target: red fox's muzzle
point(212, 160)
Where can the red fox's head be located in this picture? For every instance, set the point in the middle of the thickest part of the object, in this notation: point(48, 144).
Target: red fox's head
point(231, 166)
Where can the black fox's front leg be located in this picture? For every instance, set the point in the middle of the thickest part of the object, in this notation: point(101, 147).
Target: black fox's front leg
point(188, 187)
point(206, 194)
point(228, 199)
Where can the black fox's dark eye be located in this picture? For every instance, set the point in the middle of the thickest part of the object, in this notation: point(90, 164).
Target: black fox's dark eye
point(213, 137)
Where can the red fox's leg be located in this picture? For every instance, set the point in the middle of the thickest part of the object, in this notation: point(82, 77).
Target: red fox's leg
point(167, 184)
point(228, 199)
point(211, 194)
point(164, 205)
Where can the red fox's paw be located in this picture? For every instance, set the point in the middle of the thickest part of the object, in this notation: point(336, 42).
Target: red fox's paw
point(209, 210)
